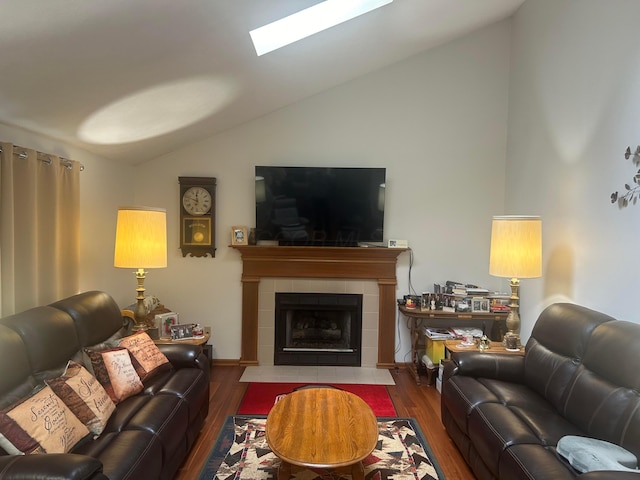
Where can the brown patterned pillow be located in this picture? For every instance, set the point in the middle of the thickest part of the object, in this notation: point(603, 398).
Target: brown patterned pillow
point(114, 370)
point(147, 358)
point(84, 396)
point(41, 423)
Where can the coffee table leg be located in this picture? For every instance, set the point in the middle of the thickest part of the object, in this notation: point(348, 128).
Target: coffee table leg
point(284, 472)
point(357, 471)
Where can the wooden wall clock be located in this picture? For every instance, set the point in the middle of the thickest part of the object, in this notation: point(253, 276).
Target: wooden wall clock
point(197, 216)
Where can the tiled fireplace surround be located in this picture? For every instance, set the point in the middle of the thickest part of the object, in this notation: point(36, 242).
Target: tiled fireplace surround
point(270, 269)
point(266, 311)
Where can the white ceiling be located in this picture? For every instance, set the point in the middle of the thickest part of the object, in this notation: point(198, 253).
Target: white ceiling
point(131, 80)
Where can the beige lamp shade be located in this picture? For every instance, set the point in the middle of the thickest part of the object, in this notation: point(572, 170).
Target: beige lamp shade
point(516, 247)
point(141, 238)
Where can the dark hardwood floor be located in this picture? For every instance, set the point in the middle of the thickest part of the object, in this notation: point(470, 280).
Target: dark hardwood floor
point(420, 402)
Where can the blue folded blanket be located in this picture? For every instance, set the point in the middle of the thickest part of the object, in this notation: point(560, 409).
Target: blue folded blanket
point(588, 454)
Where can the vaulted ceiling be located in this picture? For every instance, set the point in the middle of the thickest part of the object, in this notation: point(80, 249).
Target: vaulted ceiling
point(133, 79)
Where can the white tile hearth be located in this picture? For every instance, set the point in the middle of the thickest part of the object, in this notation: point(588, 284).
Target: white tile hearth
point(320, 374)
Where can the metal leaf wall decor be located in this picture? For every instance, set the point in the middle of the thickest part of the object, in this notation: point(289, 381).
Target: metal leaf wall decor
point(631, 191)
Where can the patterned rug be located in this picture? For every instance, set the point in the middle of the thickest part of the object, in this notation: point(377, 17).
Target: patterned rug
point(241, 453)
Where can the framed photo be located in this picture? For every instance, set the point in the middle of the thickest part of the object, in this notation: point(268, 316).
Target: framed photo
point(479, 304)
point(239, 236)
point(181, 331)
point(165, 321)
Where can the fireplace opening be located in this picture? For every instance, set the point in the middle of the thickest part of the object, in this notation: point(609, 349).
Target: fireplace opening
point(318, 329)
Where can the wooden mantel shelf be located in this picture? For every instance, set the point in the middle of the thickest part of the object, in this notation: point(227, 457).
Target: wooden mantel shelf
point(372, 263)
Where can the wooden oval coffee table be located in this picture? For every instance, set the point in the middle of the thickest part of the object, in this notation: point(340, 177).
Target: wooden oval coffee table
point(321, 428)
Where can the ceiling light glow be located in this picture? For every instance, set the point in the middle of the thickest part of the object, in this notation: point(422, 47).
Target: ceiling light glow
point(309, 21)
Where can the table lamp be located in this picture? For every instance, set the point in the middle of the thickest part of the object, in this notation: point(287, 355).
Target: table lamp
point(141, 242)
point(516, 252)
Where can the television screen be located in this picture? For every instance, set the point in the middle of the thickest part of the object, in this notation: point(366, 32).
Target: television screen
point(320, 206)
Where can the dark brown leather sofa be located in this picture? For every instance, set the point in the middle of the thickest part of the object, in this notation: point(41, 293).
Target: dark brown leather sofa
point(580, 376)
point(148, 436)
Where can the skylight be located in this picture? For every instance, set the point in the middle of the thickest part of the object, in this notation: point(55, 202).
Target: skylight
point(306, 22)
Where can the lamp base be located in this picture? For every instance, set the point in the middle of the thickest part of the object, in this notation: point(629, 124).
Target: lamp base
point(140, 313)
point(513, 319)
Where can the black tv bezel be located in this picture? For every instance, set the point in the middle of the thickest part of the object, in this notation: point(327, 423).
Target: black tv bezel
point(332, 241)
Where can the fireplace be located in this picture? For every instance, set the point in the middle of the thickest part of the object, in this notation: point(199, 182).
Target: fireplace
point(318, 329)
point(263, 261)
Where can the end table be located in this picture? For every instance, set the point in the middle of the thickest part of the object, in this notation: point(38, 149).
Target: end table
point(202, 341)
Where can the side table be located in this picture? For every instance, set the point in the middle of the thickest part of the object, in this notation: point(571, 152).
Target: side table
point(496, 347)
point(202, 341)
point(417, 319)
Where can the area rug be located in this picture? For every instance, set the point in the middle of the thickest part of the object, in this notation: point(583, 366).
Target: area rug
point(241, 453)
point(260, 397)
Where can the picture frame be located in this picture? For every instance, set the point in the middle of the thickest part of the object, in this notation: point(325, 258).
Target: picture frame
point(164, 322)
point(239, 235)
point(479, 304)
point(181, 331)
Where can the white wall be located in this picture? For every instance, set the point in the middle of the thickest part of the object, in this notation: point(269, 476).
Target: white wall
point(104, 185)
point(437, 122)
point(574, 108)
point(567, 74)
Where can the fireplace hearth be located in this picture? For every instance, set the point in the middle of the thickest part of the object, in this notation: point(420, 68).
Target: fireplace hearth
point(318, 329)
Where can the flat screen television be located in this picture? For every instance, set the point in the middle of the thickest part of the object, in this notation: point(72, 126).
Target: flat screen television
point(320, 206)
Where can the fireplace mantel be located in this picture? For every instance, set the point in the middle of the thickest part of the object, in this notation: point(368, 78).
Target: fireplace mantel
point(374, 263)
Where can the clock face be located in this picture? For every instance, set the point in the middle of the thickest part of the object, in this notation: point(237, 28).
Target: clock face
point(196, 201)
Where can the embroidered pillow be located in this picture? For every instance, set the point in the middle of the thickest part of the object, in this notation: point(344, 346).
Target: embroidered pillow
point(41, 423)
point(84, 396)
point(147, 358)
point(114, 370)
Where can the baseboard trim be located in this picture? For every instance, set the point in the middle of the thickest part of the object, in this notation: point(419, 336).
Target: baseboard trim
point(225, 362)
point(233, 362)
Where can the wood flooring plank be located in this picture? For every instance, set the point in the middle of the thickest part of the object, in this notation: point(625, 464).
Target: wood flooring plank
point(420, 402)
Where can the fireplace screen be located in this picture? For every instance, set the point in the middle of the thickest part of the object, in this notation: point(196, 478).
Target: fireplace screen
point(318, 329)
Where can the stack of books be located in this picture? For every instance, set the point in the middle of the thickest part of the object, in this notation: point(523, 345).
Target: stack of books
point(438, 333)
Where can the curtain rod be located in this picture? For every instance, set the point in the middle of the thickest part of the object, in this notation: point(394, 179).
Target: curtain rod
point(44, 157)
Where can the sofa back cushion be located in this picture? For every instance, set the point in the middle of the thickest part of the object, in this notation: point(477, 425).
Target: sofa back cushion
point(556, 349)
point(14, 367)
point(603, 398)
point(49, 336)
point(96, 316)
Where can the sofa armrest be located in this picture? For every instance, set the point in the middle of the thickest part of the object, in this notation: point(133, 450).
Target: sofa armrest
point(54, 466)
point(506, 367)
point(184, 355)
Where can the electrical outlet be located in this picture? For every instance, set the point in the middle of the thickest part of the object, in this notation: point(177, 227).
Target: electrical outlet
point(207, 330)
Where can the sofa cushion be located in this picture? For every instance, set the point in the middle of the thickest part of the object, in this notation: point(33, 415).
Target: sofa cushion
point(147, 358)
point(557, 346)
point(130, 454)
point(114, 370)
point(603, 399)
point(14, 367)
point(49, 336)
point(41, 423)
point(84, 396)
point(95, 314)
point(533, 461)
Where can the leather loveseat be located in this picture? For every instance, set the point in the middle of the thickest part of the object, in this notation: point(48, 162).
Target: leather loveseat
point(580, 375)
point(147, 436)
